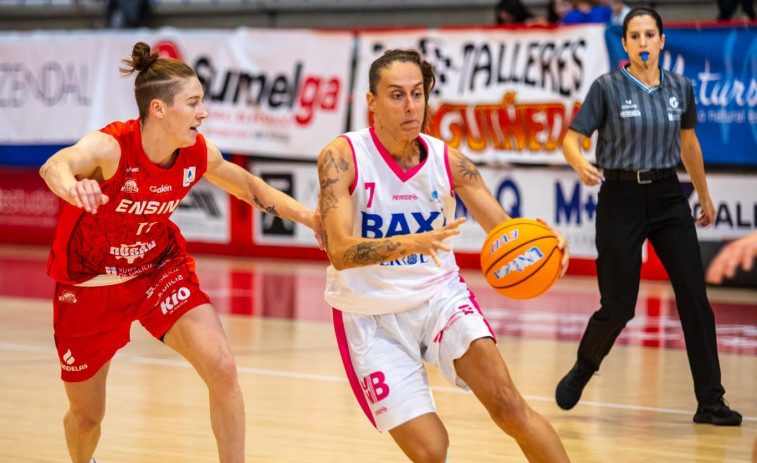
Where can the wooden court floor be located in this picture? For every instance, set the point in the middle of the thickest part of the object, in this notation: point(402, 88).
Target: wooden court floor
point(301, 409)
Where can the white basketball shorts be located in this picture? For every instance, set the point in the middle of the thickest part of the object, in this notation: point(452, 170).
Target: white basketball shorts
point(383, 355)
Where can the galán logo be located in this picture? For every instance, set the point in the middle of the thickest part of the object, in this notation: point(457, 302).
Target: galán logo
point(160, 189)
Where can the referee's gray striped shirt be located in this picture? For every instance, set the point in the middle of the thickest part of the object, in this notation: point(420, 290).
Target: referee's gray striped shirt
point(638, 127)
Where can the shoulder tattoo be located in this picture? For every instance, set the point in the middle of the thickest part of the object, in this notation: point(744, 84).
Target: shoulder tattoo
point(467, 168)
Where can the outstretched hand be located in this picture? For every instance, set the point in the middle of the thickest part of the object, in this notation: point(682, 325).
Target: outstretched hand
point(433, 241)
point(86, 194)
point(741, 252)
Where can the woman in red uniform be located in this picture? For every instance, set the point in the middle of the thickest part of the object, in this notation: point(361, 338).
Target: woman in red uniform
point(118, 258)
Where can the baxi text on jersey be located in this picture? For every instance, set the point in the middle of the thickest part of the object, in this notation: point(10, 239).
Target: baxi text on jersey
point(147, 207)
point(399, 224)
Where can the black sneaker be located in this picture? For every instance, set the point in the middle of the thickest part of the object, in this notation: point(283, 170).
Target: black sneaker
point(569, 389)
point(718, 414)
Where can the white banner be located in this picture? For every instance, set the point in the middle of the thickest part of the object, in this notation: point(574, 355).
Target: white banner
point(735, 201)
point(501, 95)
point(57, 86)
point(299, 181)
point(268, 92)
point(203, 215)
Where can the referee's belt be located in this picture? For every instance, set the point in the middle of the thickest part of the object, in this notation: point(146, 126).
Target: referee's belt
point(639, 176)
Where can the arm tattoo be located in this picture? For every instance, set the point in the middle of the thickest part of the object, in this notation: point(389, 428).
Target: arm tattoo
point(329, 162)
point(328, 202)
point(468, 169)
point(369, 253)
point(268, 209)
point(328, 178)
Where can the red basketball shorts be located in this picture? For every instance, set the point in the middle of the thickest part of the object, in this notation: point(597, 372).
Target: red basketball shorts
point(92, 323)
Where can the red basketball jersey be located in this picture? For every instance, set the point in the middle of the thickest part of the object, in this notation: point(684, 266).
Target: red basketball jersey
point(128, 235)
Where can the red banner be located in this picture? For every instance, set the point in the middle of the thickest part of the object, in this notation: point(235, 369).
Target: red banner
point(28, 210)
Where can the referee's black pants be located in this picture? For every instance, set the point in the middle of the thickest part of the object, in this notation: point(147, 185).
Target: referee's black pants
point(627, 213)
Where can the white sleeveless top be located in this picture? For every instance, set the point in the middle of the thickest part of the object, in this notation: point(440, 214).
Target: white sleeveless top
point(388, 201)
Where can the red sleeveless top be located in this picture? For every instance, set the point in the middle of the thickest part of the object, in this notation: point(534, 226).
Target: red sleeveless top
point(132, 232)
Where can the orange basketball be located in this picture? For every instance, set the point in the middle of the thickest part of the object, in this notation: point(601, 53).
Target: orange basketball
point(520, 258)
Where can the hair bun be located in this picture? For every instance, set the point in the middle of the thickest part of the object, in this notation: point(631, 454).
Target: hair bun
point(142, 57)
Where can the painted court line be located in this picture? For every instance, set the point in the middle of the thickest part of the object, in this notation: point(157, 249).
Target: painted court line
point(335, 379)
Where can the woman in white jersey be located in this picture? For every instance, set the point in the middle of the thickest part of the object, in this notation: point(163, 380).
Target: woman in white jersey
point(387, 203)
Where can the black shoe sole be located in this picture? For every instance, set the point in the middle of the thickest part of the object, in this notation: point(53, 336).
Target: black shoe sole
point(709, 419)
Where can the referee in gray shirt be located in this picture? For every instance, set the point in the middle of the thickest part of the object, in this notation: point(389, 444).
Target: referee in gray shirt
point(645, 119)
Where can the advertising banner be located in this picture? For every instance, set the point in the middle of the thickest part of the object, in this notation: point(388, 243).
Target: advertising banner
point(735, 201)
point(28, 209)
point(203, 215)
point(268, 92)
point(501, 95)
point(298, 180)
point(720, 62)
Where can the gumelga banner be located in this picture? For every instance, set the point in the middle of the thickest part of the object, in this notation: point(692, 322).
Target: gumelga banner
point(502, 95)
point(268, 92)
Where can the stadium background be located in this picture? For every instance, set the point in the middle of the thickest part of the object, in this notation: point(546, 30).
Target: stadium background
point(283, 77)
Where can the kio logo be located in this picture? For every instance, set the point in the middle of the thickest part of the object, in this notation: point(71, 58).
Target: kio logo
point(174, 300)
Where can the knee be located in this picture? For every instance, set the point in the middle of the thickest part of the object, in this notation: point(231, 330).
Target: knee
point(428, 452)
point(614, 316)
point(85, 419)
point(222, 373)
point(510, 412)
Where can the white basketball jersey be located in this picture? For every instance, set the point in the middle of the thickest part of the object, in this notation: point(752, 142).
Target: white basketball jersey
point(388, 201)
